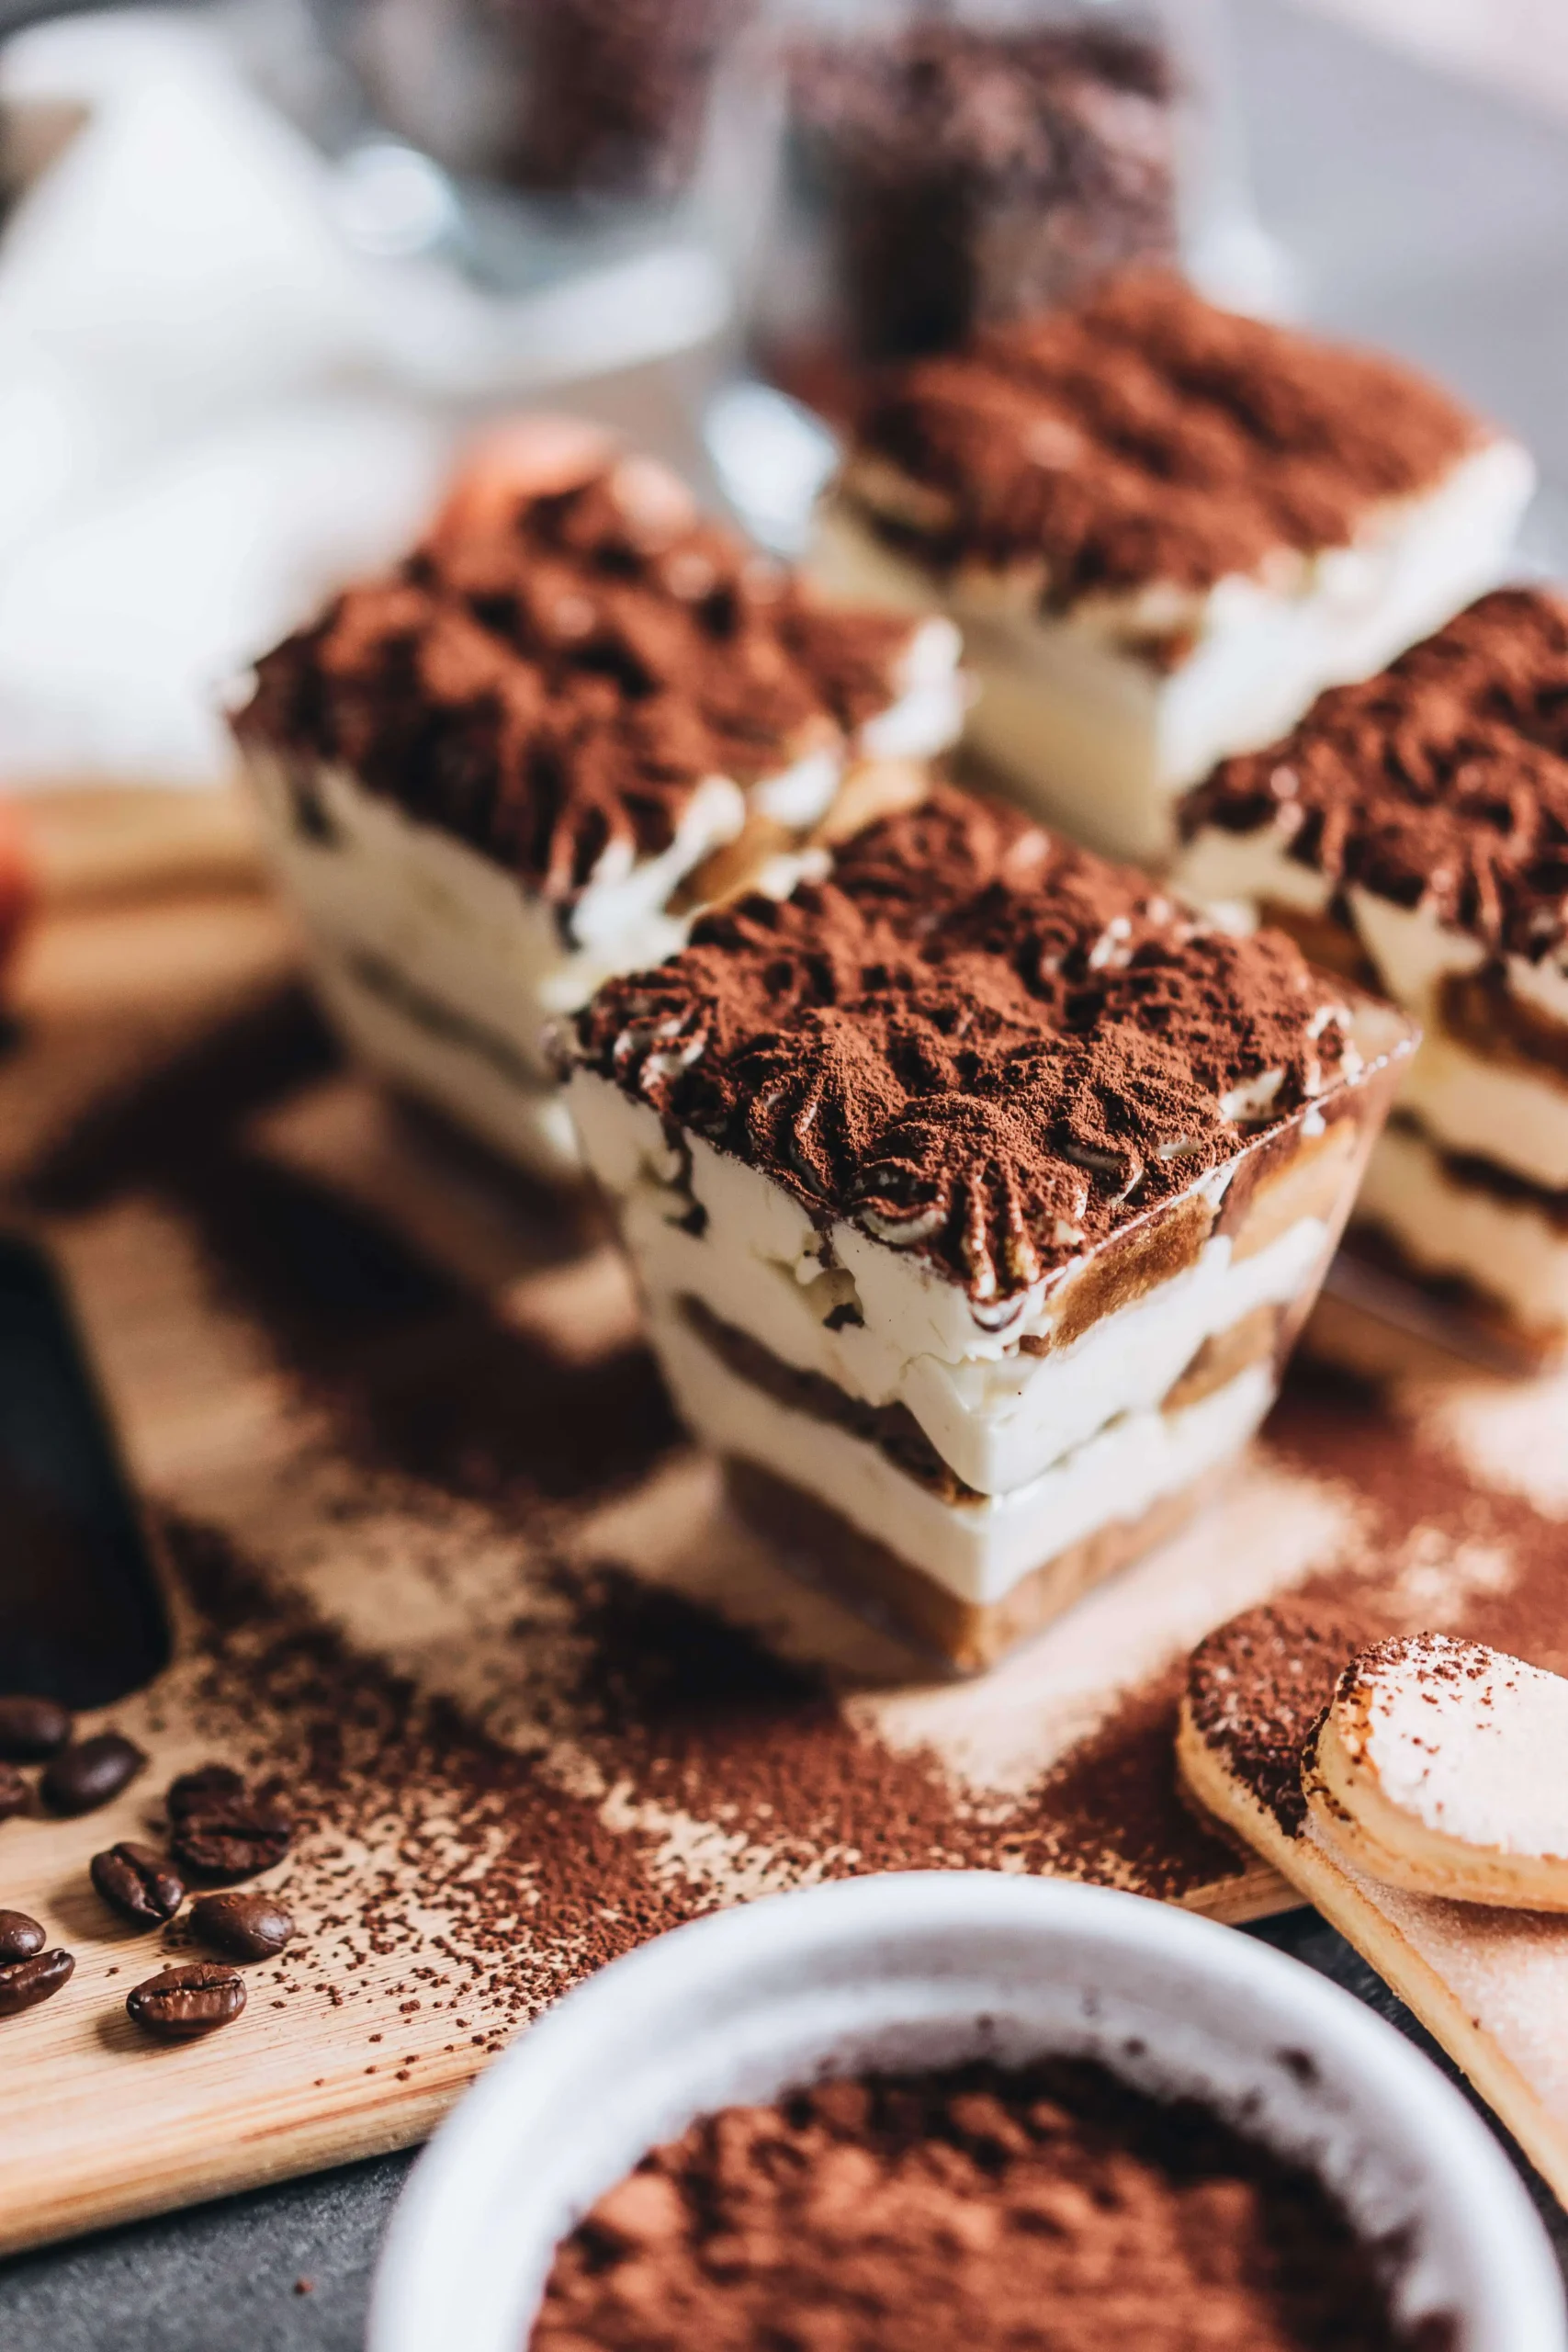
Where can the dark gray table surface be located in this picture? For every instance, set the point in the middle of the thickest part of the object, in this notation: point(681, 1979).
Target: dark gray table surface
point(1422, 215)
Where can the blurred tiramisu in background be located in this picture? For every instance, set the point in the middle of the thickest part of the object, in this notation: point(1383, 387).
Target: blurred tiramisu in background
point(1164, 529)
point(1413, 832)
point(523, 758)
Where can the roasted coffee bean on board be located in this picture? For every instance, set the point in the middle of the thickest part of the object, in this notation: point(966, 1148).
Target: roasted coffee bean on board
point(247, 1927)
point(201, 1789)
point(89, 1772)
point(31, 1729)
point(138, 1883)
point(233, 1840)
point(25, 1983)
point(16, 1794)
point(19, 1936)
point(181, 2003)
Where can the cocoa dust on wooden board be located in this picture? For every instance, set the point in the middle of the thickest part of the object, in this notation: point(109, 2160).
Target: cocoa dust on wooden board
point(506, 1881)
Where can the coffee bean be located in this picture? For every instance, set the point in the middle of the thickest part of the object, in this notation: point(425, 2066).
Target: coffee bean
point(19, 1936)
point(83, 1777)
point(15, 1795)
point(234, 1840)
point(25, 1983)
point(198, 1791)
point(180, 2002)
point(138, 1884)
point(31, 1728)
point(247, 1927)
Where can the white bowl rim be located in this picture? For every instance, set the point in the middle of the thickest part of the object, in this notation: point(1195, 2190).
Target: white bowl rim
point(432, 2238)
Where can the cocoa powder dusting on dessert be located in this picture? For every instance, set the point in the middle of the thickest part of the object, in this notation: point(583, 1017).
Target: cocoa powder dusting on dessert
point(551, 677)
point(1146, 437)
point(1443, 782)
point(1432, 1550)
point(1256, 1688)
point(975, 2209)
point(975, 1040)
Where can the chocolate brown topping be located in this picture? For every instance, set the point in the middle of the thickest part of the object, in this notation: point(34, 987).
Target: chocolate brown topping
point(1443, 782)
point(973, 1038)
point(1256, 1687)
point(1146, 437)
point(551, 678)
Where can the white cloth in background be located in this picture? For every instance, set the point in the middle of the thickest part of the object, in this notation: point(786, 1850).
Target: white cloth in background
point(193, 442)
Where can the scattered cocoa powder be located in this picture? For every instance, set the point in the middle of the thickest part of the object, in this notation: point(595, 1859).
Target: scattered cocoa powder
point(976, 2209)
point(1437, 1550)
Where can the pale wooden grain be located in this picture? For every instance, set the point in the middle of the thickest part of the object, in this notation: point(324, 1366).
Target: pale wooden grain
point(101, 2125)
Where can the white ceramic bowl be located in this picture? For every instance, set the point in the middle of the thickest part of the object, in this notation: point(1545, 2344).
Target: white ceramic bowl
point(927, 1969)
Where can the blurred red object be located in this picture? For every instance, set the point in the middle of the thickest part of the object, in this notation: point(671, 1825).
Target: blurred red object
point(19, 882)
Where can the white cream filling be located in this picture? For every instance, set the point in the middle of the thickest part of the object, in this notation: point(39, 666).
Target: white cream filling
point(907, 1307)
point(483, 1091)
point(1515, 1117)
point(456, 927)
point(1097, 741)
point(1507, 1248)
point(978, 1550)
point(998, 1423)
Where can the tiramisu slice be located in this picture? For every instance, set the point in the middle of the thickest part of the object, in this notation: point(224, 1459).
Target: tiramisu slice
point(1164, 529)
point(975, 1193)
point(1414, 830)
point(518, 763)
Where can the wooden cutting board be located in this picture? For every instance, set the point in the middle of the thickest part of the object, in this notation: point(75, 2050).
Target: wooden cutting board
point(436, 1553)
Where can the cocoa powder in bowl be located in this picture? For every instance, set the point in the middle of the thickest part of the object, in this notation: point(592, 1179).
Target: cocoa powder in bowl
point(1054, 2207)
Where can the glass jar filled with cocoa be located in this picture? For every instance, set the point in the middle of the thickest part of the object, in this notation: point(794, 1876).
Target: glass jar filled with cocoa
point(952, 166)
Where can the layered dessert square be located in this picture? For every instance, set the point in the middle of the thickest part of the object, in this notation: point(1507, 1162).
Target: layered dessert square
point(975, 1193)
point(1413, 831)
point(522, 760)
point(1164, 529)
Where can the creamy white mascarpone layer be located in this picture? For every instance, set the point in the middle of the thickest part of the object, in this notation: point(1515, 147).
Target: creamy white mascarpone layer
point(903, 1303)
point(1506, 1248)
point(1516, 1117)
point(998, 1420)
point(1101, 742)
point(482, 1090)
point(457, 928)
point(978, 1549)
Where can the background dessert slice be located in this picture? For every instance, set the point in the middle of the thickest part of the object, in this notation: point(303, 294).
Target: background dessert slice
point(1434, 1768)
point(518, 761)
point(1414, 830)
point(975, 1195)
point(1164, 529)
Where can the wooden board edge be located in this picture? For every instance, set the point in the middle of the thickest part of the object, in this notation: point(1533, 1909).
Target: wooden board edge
point(201, 2177)
point(1259, 1892)
point(91, 843)
point(1384, 1947)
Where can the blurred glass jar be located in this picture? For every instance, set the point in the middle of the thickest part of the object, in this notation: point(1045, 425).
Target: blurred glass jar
point(576, 130)
point(950, 167)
